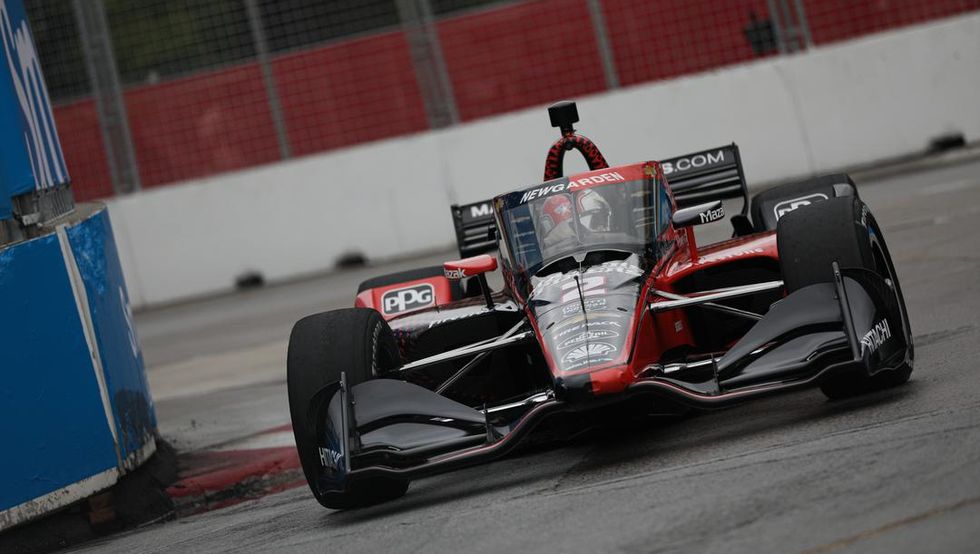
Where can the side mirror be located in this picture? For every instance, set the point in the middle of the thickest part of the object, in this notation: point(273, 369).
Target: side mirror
point(698, 215)
point(469, 267)
point(476, 266)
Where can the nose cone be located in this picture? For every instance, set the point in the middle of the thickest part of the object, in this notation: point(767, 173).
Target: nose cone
point(585, 318)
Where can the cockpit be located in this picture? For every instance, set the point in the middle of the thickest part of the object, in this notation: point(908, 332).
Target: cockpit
point(624, 209)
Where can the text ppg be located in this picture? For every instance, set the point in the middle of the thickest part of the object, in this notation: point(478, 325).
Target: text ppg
point(409, 298)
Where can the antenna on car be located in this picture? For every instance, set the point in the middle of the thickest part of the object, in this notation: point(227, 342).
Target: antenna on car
point(585, 315)
point(564, 115)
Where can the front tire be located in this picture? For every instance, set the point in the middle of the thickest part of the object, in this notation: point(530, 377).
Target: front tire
point(845, 231)
point(358, 342)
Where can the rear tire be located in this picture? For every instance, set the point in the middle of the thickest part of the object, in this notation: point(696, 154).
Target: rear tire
point(769, 205)
point(358, 342)
point(809, 240)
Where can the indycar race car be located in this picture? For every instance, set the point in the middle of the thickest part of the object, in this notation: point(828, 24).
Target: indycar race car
point(608, 301)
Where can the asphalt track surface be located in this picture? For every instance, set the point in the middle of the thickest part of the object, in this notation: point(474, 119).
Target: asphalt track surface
point(897, 470)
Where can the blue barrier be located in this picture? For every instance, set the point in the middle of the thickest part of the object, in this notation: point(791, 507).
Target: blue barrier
point(94, 249)
point(75, 409)
point(30, 152)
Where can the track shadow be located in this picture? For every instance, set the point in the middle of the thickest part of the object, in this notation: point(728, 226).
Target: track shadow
point(610, 443)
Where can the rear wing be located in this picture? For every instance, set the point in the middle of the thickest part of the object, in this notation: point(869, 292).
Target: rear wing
point(713, 174)
point(475, 228)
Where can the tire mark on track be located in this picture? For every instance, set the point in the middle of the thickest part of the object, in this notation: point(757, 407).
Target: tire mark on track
point(630, 480)
point(871, 533)
point(942, 336)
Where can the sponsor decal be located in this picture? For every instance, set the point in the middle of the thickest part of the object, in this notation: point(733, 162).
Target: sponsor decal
point(728, 256)
point(693, 162)
point(586, 337)
point(708, 216)
point(409, 298)
point(584, 352)
point(466, 313)
point(616, 266)
point(591, 305)
point(873, 339)
point(455, 274)
point(787, 206)
point(40, 138)
point(330, 459)
point(547, 190)
point(582, 326)
point(592, 285)
point(480, 210)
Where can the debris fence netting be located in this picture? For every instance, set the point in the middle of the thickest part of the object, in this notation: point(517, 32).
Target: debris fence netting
point(153, 92)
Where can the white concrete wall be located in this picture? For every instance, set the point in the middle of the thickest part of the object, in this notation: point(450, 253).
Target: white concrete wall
point(852, 103)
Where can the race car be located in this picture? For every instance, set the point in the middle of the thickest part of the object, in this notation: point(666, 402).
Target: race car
point(607, 300)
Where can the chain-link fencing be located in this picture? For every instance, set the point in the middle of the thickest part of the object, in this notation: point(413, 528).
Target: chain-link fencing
point(152, 92)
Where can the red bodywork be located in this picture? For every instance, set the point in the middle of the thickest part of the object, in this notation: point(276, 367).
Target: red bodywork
point(671, 329)
point(426, 293)
point(645, 343)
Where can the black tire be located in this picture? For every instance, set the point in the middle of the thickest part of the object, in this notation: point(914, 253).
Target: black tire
point(359, 342)
point(809, 240)
point(824, 187)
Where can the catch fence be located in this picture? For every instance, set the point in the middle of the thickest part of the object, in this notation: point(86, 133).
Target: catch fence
point(152, 92)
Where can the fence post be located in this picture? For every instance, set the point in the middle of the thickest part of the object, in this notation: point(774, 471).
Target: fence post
point(790, 26)
point(777, 26)
point(803, 24)
point(100, 63)
point(602, 41)
point(430, 66)
point(268, 79)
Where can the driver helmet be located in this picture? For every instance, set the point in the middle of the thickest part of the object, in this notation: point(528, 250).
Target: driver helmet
point(556, 210)
point(594, 211)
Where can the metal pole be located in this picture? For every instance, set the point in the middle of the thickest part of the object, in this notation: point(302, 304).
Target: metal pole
point(602, 41)
point(791, 29)
point(777, 26)
point(100, 63)
point(802, 23)
point(430, 65)
point(268, 79)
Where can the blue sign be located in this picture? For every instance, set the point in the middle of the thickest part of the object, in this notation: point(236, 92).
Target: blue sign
point(30, 152)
